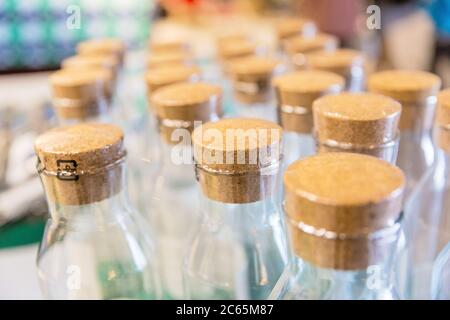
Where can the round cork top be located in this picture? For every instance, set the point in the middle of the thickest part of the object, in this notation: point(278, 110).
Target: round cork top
point(235, 48)
point(231, 137)
point(307, 44)
point(168, 46)
point(159, 59)
point(78, 83)
point(93, 146)
point(356, 118)
point(170, 74)
point(187, 101)
point(344, 192)
point(101, 60)
point(405, 85)
point(340, 58)
point(290, 26)
point(308, 81)
point(443, 111)
point(101, 45)
point(253, 66)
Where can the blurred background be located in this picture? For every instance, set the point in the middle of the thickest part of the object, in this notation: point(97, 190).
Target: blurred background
point(35, 35)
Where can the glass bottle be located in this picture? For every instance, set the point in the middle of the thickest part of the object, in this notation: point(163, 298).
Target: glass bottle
point(427, 215)
point(416, 91)
point(296, 48)
point(440, 286)
point(80, 95)
point(240, 250)
point(343, 212)
point(348, 63)
point(174, 198)
point(364, 123)
point(295, 93)
point(95, 245)
point(253, 96)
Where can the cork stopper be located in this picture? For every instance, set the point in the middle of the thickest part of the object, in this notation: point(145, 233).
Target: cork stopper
point(80, 164)
point(168, 46)
point(80, 93)
point(252, 78)
point(179, 105)
point(112, 46)
point(415, 90)
point(339, 61)
point(235, 48)
point(443, 120)
point(164, 76)
point(289, 27)
point(167, 59)
point(295, 95)
point(356, 119)
point(340, 205)
point(237, 160)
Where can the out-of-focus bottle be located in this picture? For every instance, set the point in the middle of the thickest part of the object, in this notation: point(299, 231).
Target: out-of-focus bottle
point(346, 62)
point(297, 47)
point(287, 27)
point(174, 201)
point(106, 61)
point(427, 217)
point(81, 95)
point(440, 286)
point(95, 246)
point(240, 250)
point(343, 212)
point(364, 123)
point(103, 46)
point(295, 93)
point(416, 91)
point(253, 94)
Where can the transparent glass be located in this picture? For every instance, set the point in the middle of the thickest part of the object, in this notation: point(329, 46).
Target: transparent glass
point(415, 156)
point(174, 214)
point(356, 81)
point(297, 146)
point(238, 253)
point(261, 110)
point(302, 280)
point(440, 289)
point(101, 250)
point(426, 229)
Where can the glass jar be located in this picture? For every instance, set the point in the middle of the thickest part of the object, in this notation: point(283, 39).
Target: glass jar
point(346, 62)
point(174, 202)
point(95, 245)
point(253, 94)
point(416, 91)
point(295, 93)
point(343, 213)
point(240, 250)
point(427, 216)
point(364, 123)
point(296, 48)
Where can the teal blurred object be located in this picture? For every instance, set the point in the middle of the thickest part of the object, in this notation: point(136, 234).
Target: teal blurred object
point(38, 34)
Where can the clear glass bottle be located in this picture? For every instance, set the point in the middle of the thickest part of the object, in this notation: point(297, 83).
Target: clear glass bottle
point(440, 285)
point(240, 251)
point(295, 93)
point(364, 123)
point(346, 62)
point(296, 48)
point(174, 201)
point(416, 91)
point(95, 245)
point(253, 94)
point(427, 215)
point(343, 212)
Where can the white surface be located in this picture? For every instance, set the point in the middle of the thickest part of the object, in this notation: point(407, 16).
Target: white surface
point(18, 274)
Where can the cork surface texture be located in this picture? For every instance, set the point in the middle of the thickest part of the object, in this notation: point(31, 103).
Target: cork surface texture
point(363, 119)
point(105, 45)
point(351, 195)
point(235, 48)
point(231, 170)
point(164, 59)
point(168, 46)
point(405, 85)
point(164, 76)
point(87, 150)
point(253, 66)
point(107, 61)
point(340, 58)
